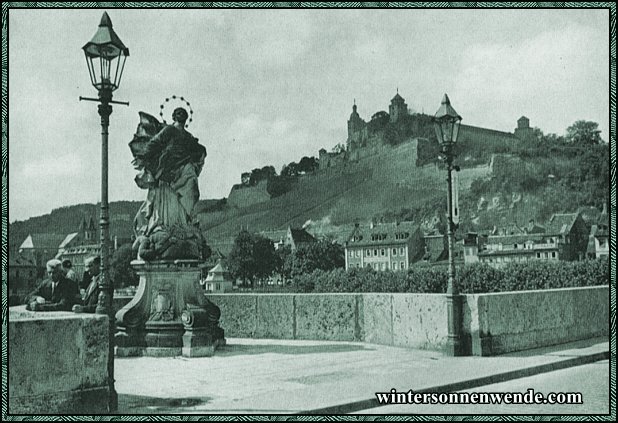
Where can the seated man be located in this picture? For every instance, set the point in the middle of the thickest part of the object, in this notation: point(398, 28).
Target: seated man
point(56, 293)
point(91, 295)
point(70, 274)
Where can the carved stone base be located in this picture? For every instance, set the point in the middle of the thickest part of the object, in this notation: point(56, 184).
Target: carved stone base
point(169, 314)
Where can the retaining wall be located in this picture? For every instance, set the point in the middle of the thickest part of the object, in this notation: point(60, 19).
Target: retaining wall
point(493, 324)
point(57, 362)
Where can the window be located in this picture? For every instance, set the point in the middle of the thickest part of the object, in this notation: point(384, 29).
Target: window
point(394, 265)
point(394, 251)
point(538, 255)
point(368, 253)
point(402, 264)
point(401, 251)
point(351, 253)
point(358, 253)
point(553, 254)
point(384, 266)
point(375, 252)
point(382, 252)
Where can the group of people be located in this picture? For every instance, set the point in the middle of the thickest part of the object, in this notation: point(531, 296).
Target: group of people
point(61, 291)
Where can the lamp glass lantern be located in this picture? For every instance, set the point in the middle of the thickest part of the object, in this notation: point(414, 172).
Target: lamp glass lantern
point(446, 123)
point(105, 56)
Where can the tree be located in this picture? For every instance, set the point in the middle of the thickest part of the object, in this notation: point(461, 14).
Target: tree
point(121, 271)
point(278, 185)
point(584, 132)
point(307, 164)
point(252, 257)
point(323, 255)
point(290, 170)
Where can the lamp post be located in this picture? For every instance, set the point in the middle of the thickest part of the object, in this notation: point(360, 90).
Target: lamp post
point(106, 56)
point(446, 124)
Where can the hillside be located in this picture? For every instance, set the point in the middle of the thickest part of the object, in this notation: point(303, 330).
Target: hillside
point(502, 186)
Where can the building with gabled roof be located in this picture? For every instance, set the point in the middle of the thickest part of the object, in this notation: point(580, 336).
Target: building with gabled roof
point(572, 233)
point(297, 237)
point(565, 237)
point(40, 247)
point(386, 246)
point(218, 279)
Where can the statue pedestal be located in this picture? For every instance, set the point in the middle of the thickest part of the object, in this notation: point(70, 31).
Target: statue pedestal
point(169, 315)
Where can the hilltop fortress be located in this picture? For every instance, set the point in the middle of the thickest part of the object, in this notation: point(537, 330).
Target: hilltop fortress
point(400, 125)
point(394, 136)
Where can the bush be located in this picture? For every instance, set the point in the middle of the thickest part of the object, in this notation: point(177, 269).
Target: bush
point(476, 278)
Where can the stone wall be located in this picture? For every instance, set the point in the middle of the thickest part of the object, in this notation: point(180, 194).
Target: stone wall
point(502, 322)
point(246, 196)
point(493, 324)
point(57, 362)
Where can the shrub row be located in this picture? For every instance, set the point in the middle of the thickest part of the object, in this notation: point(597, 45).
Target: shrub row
point(476, 278)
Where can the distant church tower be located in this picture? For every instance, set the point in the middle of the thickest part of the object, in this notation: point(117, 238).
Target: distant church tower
point(398, 108)
point(88, 229)
point(355, 126)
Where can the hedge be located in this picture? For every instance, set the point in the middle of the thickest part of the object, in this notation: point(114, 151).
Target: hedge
point(475, 278)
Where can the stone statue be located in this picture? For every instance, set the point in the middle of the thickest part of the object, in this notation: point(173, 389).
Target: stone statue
point(170, 160)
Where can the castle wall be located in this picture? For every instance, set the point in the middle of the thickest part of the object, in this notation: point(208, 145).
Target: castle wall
point(327, 160)
point(469, 134)
point(246, 196)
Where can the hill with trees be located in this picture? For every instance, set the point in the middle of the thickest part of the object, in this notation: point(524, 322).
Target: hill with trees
point(499, 184)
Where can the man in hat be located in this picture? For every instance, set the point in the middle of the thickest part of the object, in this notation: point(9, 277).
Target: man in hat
point(56, 293)
point(91, 295)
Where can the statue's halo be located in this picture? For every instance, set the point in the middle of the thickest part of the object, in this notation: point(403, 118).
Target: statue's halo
point(177, 99)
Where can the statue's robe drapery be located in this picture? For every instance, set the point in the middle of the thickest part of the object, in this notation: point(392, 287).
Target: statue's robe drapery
point(170, 160)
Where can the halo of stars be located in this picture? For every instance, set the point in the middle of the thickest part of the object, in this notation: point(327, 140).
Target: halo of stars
point(183, 100)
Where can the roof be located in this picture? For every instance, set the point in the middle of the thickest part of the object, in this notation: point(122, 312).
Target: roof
point(42, 240)
point(397, 99)
point(67, 239)
point(514, 239)
point(561, 223)
point(519, 252)
point(382, 234)
point(218, 273)
point(301, 235)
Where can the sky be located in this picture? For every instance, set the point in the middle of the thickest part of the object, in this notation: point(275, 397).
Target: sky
point(268, 87)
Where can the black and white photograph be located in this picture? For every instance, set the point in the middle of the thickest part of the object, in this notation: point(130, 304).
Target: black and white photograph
point(276, 210)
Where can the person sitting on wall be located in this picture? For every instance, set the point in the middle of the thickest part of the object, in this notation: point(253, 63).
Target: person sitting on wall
point(56, 293)
point(69, 273)
point(91, 295)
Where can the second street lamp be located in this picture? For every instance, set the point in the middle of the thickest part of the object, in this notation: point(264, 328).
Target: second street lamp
point(446, 124)
point(105, 57)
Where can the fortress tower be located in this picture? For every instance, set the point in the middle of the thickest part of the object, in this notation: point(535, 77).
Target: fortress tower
point(523, 130)
point(397, 108)
point(356, 126)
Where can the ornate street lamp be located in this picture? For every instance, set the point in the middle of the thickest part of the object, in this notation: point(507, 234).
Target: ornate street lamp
point(106, 56)
point(446, 124)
